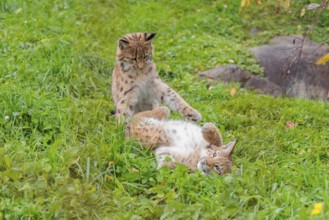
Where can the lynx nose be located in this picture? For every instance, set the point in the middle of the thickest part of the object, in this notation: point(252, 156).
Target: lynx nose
point(209, 162)
point(140, 65)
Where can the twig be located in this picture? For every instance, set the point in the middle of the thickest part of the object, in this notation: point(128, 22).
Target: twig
point(297, 58)
point(88, 169)
point(323, 5)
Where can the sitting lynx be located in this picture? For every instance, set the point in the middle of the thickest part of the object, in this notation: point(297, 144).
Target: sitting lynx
point(183, 142)
point(136, 85)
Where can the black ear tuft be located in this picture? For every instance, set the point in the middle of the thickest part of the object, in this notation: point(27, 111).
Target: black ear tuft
point(149, 37)
point(123, 43)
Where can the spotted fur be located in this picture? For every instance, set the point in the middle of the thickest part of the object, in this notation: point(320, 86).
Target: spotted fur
point(136, 85)
point(182, 142)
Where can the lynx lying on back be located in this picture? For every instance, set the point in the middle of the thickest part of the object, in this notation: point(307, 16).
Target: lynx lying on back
point(136, 85)
point(183, 142)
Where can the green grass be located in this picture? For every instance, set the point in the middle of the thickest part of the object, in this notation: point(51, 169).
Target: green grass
point(64, 156)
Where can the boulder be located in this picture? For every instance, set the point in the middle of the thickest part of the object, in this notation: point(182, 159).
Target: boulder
point(290, 69)
point(233, 73)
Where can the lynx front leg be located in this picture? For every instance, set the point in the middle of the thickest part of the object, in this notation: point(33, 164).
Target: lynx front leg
point(124, 109)
point(176, 102)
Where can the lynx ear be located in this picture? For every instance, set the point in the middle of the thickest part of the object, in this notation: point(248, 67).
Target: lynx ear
point(149, 37)
point(229, 147)
point(123, 43)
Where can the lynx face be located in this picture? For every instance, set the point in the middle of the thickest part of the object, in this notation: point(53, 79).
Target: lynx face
point(219, 159)
point(135, 51)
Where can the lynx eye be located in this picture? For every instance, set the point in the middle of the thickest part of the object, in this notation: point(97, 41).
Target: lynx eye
point(214, 155)
point(218, 167)
point(146, 57)
point(132, 58)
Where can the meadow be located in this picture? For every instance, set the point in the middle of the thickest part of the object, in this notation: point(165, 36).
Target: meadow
point(63, 156)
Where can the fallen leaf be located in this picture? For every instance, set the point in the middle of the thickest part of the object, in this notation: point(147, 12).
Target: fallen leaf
point(302, 13)
point(75, 161)
point(134, 170)
point(285, 4)
point(290, 124)
point(161, 200)
point(313, 6)
point(322, 60)
point(233, 91)
point(244, 3)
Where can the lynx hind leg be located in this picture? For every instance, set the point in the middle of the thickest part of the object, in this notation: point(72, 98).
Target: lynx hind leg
point(165, 160)
point(157, 113)
point(211, 134)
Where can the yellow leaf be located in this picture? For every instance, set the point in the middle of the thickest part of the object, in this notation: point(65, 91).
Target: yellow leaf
point(244, 3)
point(285, 3)
point(322, 60)
point(302, 13)
point(233, 91)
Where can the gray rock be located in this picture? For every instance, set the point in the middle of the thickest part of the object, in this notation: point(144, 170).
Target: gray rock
point(233, 73)
point(290, 68)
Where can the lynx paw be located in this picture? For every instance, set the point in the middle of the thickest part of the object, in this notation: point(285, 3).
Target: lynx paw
point(192, 114)
point(161, 112)
point(120, 118)
point(209, 128)
point(164, 110)
point(164, 160)
point(169, 164)
point(212, 135)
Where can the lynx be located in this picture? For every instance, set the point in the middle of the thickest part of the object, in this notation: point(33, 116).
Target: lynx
point(181, 142)
point(136, 85)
